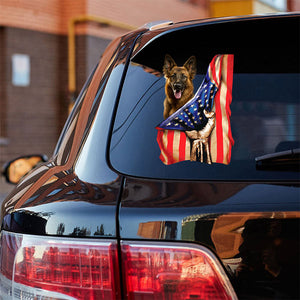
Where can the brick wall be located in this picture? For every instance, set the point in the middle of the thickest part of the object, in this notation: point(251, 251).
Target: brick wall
point(137, 12)
point(32, 112)
point(33, 14)
point(52, 16)
point(32, 116)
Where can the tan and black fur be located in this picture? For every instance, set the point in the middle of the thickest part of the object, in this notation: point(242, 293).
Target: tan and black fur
point(179, 87)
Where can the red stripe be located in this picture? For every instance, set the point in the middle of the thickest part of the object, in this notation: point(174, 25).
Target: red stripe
point(159, 140)
point(170, 146)
point(182, 144)
point(219, 130)
point(213, 69)
point(228, 100)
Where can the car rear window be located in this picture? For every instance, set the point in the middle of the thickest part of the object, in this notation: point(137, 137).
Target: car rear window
point(246, 103)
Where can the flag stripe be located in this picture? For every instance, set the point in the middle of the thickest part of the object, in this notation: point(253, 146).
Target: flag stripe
point(176, 140)
point(225, 113)
point(159, 138)
point(218, 69)
point(219, 131)
point(213, 69)
point(174, 146)
point(228, 102)
point(221, 138)
point(170, 136)
point(182, 147)
point(224, 122)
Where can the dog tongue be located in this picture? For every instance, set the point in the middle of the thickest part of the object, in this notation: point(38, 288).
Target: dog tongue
point(177, 94)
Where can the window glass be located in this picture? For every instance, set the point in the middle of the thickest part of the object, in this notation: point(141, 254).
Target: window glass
point(257, 76)
point(69, 126)
point(91, 165)
point(63, 147)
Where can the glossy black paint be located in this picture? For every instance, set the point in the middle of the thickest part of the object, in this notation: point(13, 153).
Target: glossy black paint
point(67, 207)
point(252, 227)
point(180, 211)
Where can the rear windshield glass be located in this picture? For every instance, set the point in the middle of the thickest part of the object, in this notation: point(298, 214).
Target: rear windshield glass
point(199, 103)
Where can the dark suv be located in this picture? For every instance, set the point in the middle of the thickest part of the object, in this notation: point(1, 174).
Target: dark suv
point(176, 175)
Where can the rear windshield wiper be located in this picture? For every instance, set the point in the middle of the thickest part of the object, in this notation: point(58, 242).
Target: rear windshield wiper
point(288, 160)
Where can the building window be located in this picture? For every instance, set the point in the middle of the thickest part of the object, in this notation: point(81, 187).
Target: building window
point(20, 70)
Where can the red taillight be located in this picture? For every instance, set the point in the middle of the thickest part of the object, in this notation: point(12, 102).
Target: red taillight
point(10, 244)
point(34, 267)
point(173, 271)
point(81, 269)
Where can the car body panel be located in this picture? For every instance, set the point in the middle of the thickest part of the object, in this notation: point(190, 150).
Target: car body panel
point(250, 227)
point(67, 206)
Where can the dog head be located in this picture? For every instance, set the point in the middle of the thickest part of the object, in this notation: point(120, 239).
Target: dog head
point(178, 78)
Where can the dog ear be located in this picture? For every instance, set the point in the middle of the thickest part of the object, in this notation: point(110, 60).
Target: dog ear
point(191, 66)
point(168, 64)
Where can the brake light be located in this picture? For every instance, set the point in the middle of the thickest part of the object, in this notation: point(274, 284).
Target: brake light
point(57, 268)
point(35, 267)
point(173, 271)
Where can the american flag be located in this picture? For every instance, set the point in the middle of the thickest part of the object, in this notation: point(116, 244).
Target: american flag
point(215, 93)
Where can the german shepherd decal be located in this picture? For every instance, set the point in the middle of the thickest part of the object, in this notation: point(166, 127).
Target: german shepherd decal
point(197, 127)
point(179, 87)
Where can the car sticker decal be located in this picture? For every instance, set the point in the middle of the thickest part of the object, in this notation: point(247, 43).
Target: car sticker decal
point(200, 130)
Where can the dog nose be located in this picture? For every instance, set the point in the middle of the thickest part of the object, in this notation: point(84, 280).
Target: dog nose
point(177, 86)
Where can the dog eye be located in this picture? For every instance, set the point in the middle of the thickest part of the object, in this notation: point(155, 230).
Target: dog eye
point(173, 76)
point(184, 76)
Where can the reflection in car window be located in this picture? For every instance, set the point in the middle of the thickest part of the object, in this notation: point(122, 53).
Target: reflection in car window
point(91, 164)
point(69, 126)
point(263, 113)
point(63, 146)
